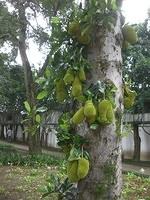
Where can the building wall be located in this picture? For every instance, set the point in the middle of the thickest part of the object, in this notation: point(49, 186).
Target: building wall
point(128, 144)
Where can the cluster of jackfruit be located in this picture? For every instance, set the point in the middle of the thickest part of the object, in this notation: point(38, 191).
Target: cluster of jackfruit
point(129, 97)
point(129, 35)
point(105, 112)
point(74, 30)
point(77, 169)
point(75, 78)
point(87, 111)
point(61, 91)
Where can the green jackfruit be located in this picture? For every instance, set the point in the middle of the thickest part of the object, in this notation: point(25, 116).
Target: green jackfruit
point(76, 87)
point(78, 117)
point(69, 76)
point(91, 119)
point(61, 92)
point(105, 112)
point(129, 93)
point(72, 168)
point(89, 109)
point(125, 45)
point(82, 76)
point(74, 28)
point(83, 168)
point(128, 102)
point(129, 34)
point(84, 39)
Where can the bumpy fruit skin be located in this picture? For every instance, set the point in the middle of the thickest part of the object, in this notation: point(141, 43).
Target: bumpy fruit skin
point(106, 113)
point(61, 92)
point(91, 119)
point(89, 109)
point(72, 168)
point(83, 168)
point(128, 102)
point(74, 28)
point(129, 34)
point(125, 45)
point(82, 76)
point(84, 39)
point(69, 77)
point(129, 97)
point(78, 117)
point(76, 87)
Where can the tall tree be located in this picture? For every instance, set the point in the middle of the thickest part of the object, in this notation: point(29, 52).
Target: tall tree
point(87, 68)
point(17, 29)
point(104, 179)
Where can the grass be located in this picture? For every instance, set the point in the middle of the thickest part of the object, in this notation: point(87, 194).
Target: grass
point(136, 187)
point(25, 177)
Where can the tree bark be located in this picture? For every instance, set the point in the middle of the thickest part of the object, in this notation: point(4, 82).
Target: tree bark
point(137, 143)
point(104, 181)
point(34, 140)
point(2, 132)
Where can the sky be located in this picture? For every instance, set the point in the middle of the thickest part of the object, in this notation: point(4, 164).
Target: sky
point(135, 11)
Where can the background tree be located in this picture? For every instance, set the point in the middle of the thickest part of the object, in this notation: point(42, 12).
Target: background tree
point(17, 30)
point(137, 67)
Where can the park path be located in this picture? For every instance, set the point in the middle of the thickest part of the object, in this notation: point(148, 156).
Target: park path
point(138, 169)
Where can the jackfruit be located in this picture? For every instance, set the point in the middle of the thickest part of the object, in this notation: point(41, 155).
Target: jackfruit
point(60, 96)
point(78, 117)
point(84, 39)
point(82, 76)
point(129, 34)
point(129, 93)
point(76, 87)
point(72, 168)
point(83, 168)
point(69, 76)
point(74, 28)
point(61, 92)
point(91, 119)
point(105, 112)
point(125, 45)
point(89, 109)
point(128, 102)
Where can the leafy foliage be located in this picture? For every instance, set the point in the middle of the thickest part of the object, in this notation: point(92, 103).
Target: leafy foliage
point(137, 66)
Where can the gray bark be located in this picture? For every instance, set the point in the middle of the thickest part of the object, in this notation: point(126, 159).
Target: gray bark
point(137, 143)
point(104, 181)
point(34, 140)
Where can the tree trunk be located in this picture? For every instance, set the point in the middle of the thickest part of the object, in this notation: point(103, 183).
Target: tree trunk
point(104, 181)
point(34, 143)
point(2, 132)
point(137, 143)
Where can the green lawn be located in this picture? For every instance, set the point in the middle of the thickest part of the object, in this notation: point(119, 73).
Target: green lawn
point(23, 177)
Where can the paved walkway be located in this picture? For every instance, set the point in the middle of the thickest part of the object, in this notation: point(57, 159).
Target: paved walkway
point(142, 170)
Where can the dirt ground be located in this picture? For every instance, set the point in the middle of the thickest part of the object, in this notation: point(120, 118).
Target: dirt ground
point(22, 183)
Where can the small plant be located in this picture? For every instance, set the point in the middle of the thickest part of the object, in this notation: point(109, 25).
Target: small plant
point(63, 189)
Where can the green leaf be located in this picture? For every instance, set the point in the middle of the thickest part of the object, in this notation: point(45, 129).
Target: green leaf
point(48, 73)
point(42, 95)
point(38, 118)
point(41, 109)
point(94, 126)
point(27, 106)
point(75, 154)
point(40, 80)
point(55, 20)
